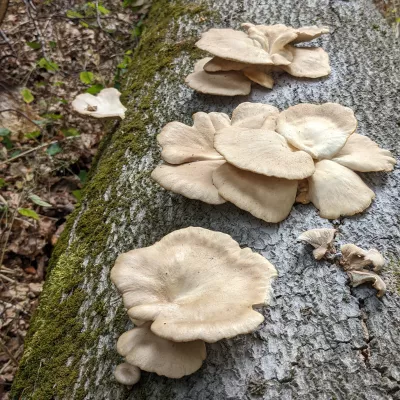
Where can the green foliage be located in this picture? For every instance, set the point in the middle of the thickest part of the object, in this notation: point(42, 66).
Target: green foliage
point(94, 89)
point(86, 77)
point(48, 65)
point(2, 183)
point(77, 194)
point(33, 135)
point(83, 175)
point(5, 135)
point(74, 14)
point(52, 44)
point(37, 200)
point(68, 132)
point(27, 212)
point(34, 45)
point(27, 95)
point(4, 132)
point(52, 116)
point(54, 149)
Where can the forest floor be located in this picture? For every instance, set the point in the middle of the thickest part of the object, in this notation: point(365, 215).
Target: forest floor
point(50, 51)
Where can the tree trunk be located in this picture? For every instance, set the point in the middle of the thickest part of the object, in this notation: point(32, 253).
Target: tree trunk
point(320, 339)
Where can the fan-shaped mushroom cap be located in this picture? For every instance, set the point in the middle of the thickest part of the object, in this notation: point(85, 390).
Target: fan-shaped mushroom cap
point(226, 83)
point(263, 152)
point(307, 33)
point(105, 105)
point(259, 76)
point(181, 143)
point(320, 130)
point(267, 198)
point(151, 353)
point(194, 284)
point(192, 180)
point(308, 62)
point(359, 277)
point(233, 45)
point(217, 64)
point(320, 239)
point(376, 259)
point(127, 374)
point(356, 258)
point(336, 190)
point(362, 154)
point(254, 116)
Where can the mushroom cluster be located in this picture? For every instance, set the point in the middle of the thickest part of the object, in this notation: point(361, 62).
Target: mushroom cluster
point(362, 266)
point(105, 105)
point(263, 161)
point(191, 287)
point(241, 58)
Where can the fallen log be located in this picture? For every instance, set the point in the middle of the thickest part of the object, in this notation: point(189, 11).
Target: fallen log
point(321, 339)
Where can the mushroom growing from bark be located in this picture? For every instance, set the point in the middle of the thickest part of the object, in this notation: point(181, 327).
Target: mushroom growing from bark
point(241, 58)
point(180, 283)
point(261, 158)
point(359, 277)
point(127, 374)
point(151, 353)
point(105, 105)
point(356, 258)
point(320, 239)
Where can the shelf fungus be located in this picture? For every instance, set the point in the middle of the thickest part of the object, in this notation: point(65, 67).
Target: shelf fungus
point(242, 58)
point(105, 105)
point(356, 258)
point(263, 160)
point(178, 286)
point(359, 277)
point(320, 239)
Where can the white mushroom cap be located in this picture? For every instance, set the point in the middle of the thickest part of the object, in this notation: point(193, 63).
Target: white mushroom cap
point(105, 105)
point(181, 143)
point(320, 239)
point(151, 353)
point(217, 64)
point(359, 277)
point(263, 152)
point(127, 374)
point(259, 76)
point(307, 33)
point(192, 180)
point(376, 259)
point(356, 258)
point(336, 190)
point(254, 116)
point(194, 284)
point(265, 197)
point(362, 154)
point(226, 83)
point(320, 130)
point(233, 45)
point(308, 62)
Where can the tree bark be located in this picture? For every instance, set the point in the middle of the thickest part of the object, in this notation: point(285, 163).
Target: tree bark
point(321, 339)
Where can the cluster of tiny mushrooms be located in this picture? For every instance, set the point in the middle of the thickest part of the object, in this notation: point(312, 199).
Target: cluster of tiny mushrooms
point(263, 161)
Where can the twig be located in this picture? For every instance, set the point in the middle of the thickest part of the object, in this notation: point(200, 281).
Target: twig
point(20, 113)
point(35, 148)
point(12, 358)
point(98, 14)
point(7, 278)
point(29, 5)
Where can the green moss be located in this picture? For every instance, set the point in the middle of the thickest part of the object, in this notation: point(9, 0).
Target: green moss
point(58, 339)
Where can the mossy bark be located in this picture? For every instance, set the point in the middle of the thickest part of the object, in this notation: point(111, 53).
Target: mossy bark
point(321, 339)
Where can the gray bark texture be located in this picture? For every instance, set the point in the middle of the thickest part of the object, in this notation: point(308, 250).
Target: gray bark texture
point(321, 339)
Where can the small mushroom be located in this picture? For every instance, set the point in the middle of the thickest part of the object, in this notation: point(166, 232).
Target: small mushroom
point(127, 374)
point(320, 239)
point(195, 284)
point(356, 258)
point(359, 277)
point(105, 105)
point(151, 353)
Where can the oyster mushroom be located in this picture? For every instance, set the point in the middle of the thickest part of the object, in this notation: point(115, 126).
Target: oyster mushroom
point(194, 284)
point(241, 58)
point(127, 374)
point(105, 105)
point(320, 239)
point(359, 277)
point(356, 258)
point(151, 353)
